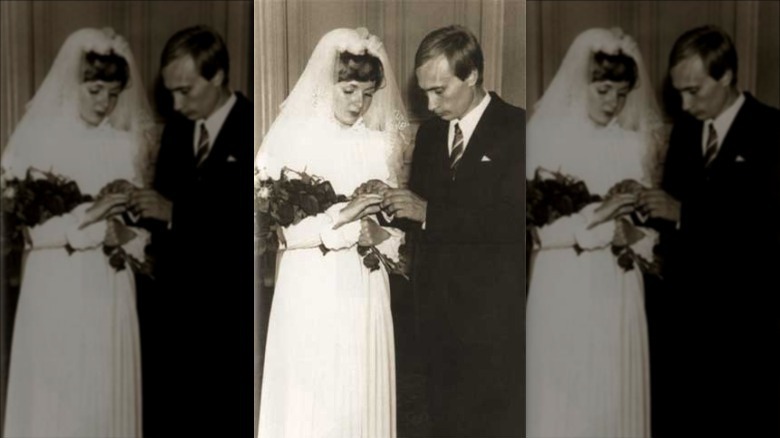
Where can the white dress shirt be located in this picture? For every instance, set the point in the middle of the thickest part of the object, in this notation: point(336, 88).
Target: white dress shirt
point(213, 124)
point(722, 123)
point(468, 123)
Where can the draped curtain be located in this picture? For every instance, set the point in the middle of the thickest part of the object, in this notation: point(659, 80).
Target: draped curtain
point(753, 25)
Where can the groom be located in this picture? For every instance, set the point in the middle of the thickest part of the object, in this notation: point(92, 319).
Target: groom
point(467, 205)
point(196, 322)
point(716, 327)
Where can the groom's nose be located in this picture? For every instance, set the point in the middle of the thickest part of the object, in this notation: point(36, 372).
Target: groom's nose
point(177, 102)
point(686, 102)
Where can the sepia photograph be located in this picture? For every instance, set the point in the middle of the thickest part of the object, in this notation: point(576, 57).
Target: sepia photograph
point(653, 168)
point(126, 130)
point(389, 196)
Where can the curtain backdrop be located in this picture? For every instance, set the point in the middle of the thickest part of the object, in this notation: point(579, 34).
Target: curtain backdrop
point(753, 25)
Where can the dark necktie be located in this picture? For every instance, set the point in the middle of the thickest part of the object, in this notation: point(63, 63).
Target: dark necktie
point(712, 146)
point(457, 149)
point(203, 145)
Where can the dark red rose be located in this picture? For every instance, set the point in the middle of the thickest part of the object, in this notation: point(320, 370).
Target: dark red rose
point(310, 205)
point(371, 261)
point(625, 261)
point(117, 261)
point(285, 214)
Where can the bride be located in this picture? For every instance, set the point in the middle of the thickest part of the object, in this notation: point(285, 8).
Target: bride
point(74, 369)
point(587, 351)
point(329, 361)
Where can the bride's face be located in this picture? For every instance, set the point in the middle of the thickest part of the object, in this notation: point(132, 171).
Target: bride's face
point(606, 99)
point(97, 99)
point(351, 99)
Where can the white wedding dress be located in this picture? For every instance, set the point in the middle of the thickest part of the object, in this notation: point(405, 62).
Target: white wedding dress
point(329, 359)
point(586, 345)
point(75, 358)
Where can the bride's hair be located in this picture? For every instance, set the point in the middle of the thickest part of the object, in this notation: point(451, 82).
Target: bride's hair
point(107, 68)
point(361, 68)
point(616, 68)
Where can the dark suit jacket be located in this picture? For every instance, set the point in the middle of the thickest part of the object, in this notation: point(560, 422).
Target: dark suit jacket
point(468, 271)
point(720, 322)
point(198, 320)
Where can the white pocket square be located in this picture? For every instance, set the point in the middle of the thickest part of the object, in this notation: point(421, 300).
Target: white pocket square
point(485, 159)
point(740, 159)
point(231, 159)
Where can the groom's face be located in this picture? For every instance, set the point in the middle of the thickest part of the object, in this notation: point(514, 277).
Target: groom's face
point(194, 96)
point(703, 96)
point(449, 97)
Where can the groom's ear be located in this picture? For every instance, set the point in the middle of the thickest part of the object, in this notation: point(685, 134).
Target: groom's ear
point(726, 79)
point(472, 78)
point(219, 78)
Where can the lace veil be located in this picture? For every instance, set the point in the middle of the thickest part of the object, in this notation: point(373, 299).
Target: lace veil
point(54, 110)
point(311, 98)
point(564, 103)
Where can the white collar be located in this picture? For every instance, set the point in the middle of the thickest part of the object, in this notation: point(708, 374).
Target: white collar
point(723, 122)
point(215, 121)
point(469, 122)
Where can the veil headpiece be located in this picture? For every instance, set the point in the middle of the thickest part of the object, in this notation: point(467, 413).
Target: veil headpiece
point(312, 96)
point(564, 102)
point(55, 103)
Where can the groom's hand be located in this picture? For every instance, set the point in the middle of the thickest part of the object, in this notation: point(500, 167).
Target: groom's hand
point(659, 204)
point(405, 204)
point(151, 205)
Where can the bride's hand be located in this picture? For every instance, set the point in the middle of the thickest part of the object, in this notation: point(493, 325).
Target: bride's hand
point(371, 186)
point(613, 207)
point(359, 206)
point(104, 207)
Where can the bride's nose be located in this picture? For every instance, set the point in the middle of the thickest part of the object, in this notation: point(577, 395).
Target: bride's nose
point(101, 100)
point(356, 101)
point(610, 100)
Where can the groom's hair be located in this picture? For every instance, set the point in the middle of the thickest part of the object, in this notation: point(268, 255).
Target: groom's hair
point(460, 47)
point(713, 45)
point(107, 68)
point(206, 48)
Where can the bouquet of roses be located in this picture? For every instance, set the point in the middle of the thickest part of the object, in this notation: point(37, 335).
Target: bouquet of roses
point(295, 196)
point(32, 200)
point(548, 199)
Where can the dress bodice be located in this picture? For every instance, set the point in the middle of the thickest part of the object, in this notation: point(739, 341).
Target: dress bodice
point(601, 157)
point(90, 156)
point(345, 156)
